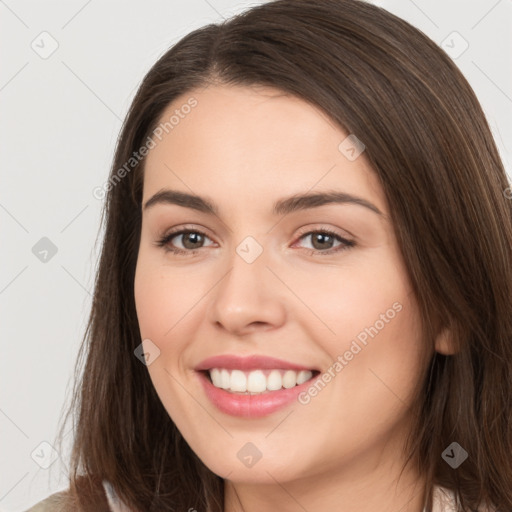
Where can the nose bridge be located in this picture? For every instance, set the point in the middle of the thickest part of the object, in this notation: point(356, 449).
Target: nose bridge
point(246, 294)
point(246, 278)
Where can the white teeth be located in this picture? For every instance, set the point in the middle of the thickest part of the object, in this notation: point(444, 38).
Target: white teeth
point(238, 381)
point(303, 376)
point(257, 381)
point(224, 379)
point(215, 376)
point(274, 380)
point(289, 379)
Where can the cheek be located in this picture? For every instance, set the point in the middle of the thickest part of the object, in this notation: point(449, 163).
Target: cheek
point(380, 360)
point(373, 332)
point(164, 310)
point(367, 295)
point(161, 301)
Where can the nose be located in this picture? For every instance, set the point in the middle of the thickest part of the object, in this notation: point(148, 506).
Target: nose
point(248, 298)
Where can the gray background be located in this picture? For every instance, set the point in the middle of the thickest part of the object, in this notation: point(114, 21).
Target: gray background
point(61, 114)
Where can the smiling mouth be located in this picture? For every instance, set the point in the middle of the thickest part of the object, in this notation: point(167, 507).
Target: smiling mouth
point(258, 381)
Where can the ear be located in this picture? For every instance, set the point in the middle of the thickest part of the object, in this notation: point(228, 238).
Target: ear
point(444, 343)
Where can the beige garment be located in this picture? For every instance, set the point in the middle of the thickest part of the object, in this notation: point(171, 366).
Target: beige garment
point(54, 502)
point(116, 505)
point(443, 501)
point(51, 504)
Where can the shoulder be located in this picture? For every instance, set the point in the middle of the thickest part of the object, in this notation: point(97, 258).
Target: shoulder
point(102, 498)
point(444, 501)
point(53, 503)
point(114, 502)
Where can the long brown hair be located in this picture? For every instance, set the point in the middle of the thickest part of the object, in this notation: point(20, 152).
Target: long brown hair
point(428, 141)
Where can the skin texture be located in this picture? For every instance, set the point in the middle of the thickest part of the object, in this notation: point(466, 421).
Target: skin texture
point(244, 148)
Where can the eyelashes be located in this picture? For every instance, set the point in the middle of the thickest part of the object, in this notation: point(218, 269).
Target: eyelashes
point(344, 243)
point(165, 241)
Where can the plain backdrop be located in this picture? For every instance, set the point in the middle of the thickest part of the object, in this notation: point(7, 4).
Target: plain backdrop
point(69, 72)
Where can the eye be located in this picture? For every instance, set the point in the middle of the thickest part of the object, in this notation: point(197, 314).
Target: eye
point(324, 238)
point(191, 240)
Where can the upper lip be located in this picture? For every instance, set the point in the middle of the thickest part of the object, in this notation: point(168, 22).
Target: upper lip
point(253, 362)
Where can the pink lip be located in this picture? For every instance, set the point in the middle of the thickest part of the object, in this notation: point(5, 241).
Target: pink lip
point(233, 362)
point(250, 406)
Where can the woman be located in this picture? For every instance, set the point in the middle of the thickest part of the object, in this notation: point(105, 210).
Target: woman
point(228, 366)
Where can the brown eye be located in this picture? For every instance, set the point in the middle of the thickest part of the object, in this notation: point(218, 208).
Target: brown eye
point(323, 240)
point(192, 239)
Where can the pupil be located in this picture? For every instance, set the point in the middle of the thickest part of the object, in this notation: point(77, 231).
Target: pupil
point(320, 237)
point(192, 235)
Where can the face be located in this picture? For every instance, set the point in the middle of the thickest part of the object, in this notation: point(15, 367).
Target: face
point(319, 285)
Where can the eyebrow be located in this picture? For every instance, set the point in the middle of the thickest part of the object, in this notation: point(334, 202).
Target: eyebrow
point(283, 206)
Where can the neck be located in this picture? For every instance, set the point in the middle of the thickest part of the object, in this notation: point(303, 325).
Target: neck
point(365, 488)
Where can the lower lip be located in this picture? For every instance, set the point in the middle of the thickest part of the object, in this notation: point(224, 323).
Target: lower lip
point(251, 406)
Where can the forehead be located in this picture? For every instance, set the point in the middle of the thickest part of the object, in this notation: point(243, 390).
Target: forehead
point(250, 143)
